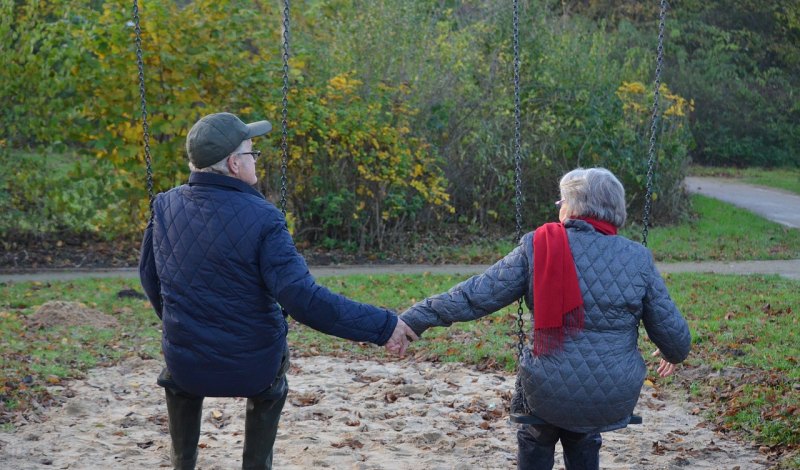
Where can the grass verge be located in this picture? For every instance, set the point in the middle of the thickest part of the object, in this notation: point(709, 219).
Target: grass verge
point(721, 232)
point(714, 231)
point(742, 373)
point(787, 179)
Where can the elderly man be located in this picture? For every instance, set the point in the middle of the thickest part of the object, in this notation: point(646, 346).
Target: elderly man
point(221, 271)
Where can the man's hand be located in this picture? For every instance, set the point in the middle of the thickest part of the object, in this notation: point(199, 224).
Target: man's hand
point(664, 368)
point(400, 339)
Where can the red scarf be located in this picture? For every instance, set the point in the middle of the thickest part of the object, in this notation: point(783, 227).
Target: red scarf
point(557, 297)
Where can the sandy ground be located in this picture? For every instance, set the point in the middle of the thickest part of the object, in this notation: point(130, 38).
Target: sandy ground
point(346, 414)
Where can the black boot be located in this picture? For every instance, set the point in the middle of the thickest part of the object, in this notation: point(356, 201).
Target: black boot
point(261, 427)
point(185, 413)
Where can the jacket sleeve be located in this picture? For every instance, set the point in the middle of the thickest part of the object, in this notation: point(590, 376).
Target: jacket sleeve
point(500, 285)
point(664, 324)
point(147, 270)
point(286, 276)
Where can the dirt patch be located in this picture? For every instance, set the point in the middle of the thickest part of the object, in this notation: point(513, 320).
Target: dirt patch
point(62, 313)
point(25, 252)
point(347, 414)
point(64, 250)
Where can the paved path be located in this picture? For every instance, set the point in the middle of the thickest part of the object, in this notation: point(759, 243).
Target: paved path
point(779, 206)
point(786, 268)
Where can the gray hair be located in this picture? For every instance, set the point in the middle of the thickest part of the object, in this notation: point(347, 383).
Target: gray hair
point(221, 167)
point(596, 193)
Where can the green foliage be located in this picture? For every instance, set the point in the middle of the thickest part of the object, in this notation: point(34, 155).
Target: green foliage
point(206, 57)
point(69, 197)
point(458, 61)
point(739, 62)
point(592, 108)
point(361, 174)
point(38, 60)
point(382, 144)
point(200, 58)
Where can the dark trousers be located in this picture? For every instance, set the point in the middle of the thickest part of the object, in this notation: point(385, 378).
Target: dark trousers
point(537, 447)
point(260, 429)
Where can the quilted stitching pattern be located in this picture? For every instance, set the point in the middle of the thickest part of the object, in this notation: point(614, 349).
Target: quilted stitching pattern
point(594, 383)
point(226, 264)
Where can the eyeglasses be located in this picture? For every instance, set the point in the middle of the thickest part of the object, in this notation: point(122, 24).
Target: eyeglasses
point(255, 154)
point(559, 203)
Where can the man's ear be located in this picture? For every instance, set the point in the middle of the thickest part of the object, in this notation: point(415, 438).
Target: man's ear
point(233, 165)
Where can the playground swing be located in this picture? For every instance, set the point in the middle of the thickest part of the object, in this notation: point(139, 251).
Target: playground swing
point(284, 102)
point(528, 418)
point(515, 418)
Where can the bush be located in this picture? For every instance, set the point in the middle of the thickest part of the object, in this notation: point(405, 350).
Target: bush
point(590, 107)
point(740, 62)
point(357, 171)
point(69, 196)
point(400, 114)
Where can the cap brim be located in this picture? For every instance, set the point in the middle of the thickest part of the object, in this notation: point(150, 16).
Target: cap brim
point(256, 129)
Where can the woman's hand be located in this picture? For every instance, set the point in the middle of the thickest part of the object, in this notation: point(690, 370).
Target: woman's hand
point(664, 368)
point(400, 339)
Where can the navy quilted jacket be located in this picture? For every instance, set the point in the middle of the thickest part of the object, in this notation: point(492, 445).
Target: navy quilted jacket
point(217, 264)
point(594, 383)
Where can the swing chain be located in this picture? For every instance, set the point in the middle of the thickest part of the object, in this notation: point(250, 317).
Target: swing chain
point(651, 153)
point(518, 167)
point(285, 110)
point(145, 126)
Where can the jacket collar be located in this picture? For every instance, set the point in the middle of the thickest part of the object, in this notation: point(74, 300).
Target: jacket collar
point(226, 182)
point(581, 225)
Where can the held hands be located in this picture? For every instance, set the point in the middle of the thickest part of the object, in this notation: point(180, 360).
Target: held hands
point(664, 368)
point(401, 337)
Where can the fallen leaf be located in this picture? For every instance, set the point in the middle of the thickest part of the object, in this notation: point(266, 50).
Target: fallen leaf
point(305, 399)
point(144, 445)
point(352, 443)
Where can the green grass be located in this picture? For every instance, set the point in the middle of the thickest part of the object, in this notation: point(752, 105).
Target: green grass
point(478, 251)
point(742, 369)
point(745, 351)
point(787, 179)
point(720, 231)
point(714, 231)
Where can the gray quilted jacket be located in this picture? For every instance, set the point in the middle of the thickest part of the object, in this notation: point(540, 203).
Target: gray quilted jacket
point(594, 383)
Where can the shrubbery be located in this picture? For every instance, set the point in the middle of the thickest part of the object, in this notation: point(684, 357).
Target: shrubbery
point(399, 120)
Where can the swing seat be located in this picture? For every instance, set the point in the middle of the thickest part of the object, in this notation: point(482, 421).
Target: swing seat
point(519, 418)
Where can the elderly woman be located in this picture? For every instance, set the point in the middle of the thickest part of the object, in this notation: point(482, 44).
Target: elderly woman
point(589, 289)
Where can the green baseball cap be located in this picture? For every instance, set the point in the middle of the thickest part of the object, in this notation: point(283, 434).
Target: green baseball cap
point(215, 136)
